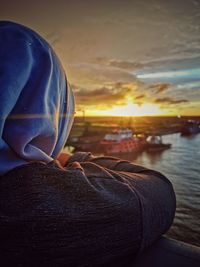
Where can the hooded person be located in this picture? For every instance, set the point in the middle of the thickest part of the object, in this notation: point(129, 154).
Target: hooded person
point(92, 211)
point(37, 104)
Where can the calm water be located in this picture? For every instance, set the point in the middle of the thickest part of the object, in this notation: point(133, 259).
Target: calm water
point(181, 164)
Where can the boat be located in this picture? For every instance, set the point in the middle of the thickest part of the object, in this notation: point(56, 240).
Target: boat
point(85, 143)
point(121, 141)
point(190, 127)
point(154, 144)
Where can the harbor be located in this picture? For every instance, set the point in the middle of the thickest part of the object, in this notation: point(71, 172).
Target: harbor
point(115, 135)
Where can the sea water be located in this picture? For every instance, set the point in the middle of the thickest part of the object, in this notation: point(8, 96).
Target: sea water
point(181, 164)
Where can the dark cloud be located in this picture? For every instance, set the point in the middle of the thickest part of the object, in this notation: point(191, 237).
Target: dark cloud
point(170, 101)
point(160, 87)
point(139, 97)
point(128, 65)
point(106, 96)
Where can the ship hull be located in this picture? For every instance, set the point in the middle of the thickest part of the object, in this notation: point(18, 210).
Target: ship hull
point(125, 146)
point(157, 147)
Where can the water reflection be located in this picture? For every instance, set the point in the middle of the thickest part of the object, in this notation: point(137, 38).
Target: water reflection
point(154, 156)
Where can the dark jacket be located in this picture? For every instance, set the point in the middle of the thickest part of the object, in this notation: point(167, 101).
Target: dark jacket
point(95, 212)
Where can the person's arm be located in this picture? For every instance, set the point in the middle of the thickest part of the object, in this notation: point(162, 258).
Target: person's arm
point(154, 191)
point(109, 162)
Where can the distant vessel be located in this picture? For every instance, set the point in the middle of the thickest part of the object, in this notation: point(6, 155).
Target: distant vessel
point(190, 127)
point(154, 143)
point(122, 141)
point(85, 143)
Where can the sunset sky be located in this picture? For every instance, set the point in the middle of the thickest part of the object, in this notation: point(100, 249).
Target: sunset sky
point(122, 57)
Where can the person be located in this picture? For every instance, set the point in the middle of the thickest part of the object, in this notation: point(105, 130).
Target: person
point(55, 209)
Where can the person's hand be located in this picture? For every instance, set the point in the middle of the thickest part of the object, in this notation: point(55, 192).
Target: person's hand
point(63, 158)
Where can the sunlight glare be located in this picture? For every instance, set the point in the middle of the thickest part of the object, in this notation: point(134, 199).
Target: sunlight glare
point(131, 109)
point(135, 110)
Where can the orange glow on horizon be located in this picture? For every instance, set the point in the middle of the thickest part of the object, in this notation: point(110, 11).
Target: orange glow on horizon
point(129, 109)
point(134, 110)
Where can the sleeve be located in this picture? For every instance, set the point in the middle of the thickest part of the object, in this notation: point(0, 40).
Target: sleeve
point(109, 162)
point(154, 191)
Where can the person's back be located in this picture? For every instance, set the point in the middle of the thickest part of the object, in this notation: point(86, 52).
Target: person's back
point(92, 211)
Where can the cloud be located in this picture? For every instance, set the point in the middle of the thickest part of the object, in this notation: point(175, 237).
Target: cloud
point(170, 101)
point(121, 64)
point(112, 94)
point(160, 87)
point(90, 75)
point(128, 65)
point(139, 97)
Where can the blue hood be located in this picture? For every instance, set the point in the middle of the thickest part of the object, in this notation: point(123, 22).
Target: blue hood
point(36, 102)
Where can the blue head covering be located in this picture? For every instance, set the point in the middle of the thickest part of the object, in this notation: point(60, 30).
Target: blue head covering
point(36, 103)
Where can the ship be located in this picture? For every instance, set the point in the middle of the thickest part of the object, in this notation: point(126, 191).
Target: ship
point(88, 141)
point(190, 127)
point(122, 141)
point(85, 143)
point(155, 144)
